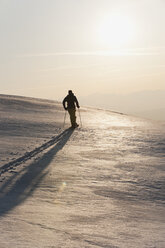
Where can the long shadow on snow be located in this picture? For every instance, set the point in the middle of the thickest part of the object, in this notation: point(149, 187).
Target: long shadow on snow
point(20, 186)
point(29, 155)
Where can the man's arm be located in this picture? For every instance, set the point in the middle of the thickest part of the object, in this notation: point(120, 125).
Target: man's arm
point(64, 101)
point(77, 103)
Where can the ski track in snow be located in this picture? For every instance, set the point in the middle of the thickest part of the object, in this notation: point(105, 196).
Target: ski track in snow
point(101, 185)
point(11, 165)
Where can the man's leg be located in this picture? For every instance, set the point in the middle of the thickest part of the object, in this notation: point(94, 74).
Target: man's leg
point(72, 113)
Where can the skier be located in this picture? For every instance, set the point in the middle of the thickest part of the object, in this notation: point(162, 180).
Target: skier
point(72, 103)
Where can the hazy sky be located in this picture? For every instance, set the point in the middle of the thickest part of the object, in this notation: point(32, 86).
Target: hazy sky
point(90, 46)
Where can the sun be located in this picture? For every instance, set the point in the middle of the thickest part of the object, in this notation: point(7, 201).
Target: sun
point(116, 30)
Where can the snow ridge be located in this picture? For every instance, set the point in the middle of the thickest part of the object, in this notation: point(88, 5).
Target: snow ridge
point(101, 185)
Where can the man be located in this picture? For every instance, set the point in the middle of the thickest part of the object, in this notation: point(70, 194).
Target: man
point(72, 103)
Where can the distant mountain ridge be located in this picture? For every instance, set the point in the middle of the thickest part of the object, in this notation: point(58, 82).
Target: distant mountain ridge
point(148, 104)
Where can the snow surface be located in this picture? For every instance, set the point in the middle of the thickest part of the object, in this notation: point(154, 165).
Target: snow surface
point(101, 185)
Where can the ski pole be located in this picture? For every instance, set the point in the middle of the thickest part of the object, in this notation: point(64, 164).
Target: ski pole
point(80, 116)
point(64, 118)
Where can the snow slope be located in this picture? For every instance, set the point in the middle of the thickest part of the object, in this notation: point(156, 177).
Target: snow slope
point(101, 185)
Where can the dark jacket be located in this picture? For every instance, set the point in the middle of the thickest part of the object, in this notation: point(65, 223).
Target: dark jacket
point(71, 100)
